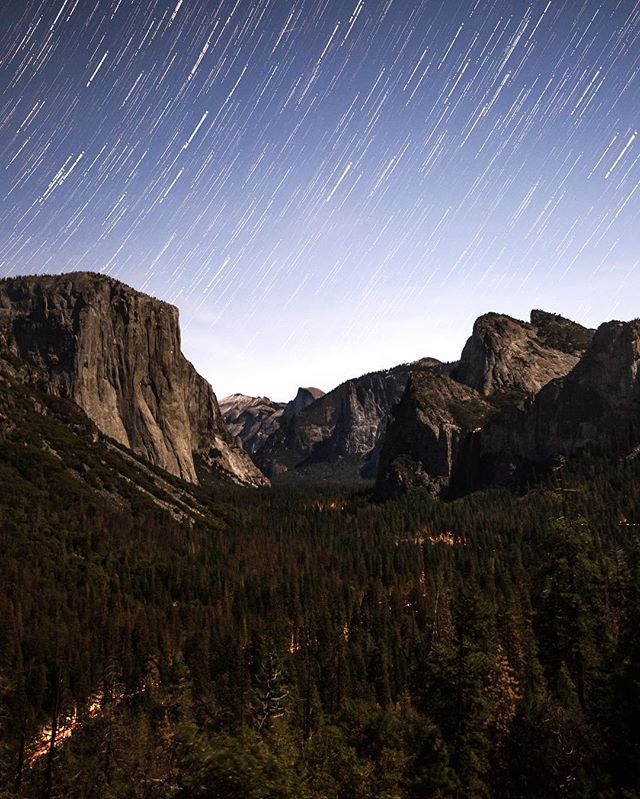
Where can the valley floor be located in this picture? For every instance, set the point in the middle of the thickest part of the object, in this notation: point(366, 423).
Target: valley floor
point(305, 641)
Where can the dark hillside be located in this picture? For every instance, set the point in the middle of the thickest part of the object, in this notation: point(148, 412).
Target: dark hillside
point(245, 646)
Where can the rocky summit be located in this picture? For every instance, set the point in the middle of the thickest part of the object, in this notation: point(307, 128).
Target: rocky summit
point(251, 419)
point(523, 398)
point(305, 396)
point(506, 355)
point(598, 402)
point(254, 419)
point(116, 353)
point(505, 363)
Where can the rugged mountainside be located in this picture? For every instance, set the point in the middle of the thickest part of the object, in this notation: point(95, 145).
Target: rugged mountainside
point(523, 395)
point(251, 419)
point(341, 434)
point(507, 355)
point(342, 427)
point(424, 432)
point(146, 623)
point(116, 353)
point(254, 419)
point(597, 402)
point(507, 362)
point(48, 439)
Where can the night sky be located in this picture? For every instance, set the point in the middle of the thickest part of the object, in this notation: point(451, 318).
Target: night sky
point(326, 187)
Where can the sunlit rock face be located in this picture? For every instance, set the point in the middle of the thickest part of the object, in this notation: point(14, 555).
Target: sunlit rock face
point(116, 353)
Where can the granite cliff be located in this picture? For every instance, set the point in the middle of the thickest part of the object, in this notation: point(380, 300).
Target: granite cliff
point(424, 433)
point(305, 396)
point(254, 419)
point(116, 353)
point(251, 419)
point(338, 433)
point(598, 402)
point(522, 396)
point(506, 355)
point(506, 363)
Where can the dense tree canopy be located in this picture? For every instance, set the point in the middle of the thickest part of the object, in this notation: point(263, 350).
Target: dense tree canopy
point(307, 642)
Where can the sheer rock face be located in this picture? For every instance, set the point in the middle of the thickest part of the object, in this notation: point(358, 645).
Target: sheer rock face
point(597, 402)
point(251, 419)
point(116, 353)
point(505, 354)
point(599, 399)
point(305, 397)
point(425, 431)
point(343, 425)
point(504, 365)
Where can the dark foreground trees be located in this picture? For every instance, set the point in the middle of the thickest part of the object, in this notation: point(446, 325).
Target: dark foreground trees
point(308, 643)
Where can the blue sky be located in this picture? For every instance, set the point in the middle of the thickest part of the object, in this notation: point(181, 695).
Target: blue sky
point(323, 187)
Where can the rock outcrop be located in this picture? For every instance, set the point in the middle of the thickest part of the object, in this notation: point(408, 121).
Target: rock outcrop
point(599, 399)
point(505, 364)
point(424, 433)
point(340, 430)
point(507, 355)
point(598, 402)
point(116, 353)
point(303, 398)
point(251, 419)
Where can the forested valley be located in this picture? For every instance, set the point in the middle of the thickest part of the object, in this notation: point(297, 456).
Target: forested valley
point(306, 641)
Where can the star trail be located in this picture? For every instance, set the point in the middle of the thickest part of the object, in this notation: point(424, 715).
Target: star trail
point(326, 187)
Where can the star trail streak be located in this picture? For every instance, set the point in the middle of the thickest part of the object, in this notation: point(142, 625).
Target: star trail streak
point(323, 186)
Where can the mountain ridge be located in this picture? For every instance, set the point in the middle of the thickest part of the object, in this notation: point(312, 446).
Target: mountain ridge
point(339, 430)
point(531, 426)
point(598, 402)
point(251, 419)
point(522, 394)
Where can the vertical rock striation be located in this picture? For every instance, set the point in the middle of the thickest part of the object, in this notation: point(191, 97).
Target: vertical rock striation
point(116, 353)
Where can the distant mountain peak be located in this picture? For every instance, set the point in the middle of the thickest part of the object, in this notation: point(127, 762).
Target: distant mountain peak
point(304, 397)
point(338, 432)
point(251, 419)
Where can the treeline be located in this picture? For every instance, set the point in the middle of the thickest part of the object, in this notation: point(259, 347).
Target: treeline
point(306, 642)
